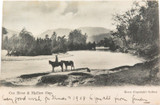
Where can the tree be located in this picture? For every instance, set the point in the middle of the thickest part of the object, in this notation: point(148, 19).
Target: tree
point(62, 44)
point(26, 43)
point(4, 38)
point(4, 31)
point(53, 40)
point(13, 44)
point(46, 36)
point(76, 40)
point(76, 37)
point(140, 24)
point(5, 43)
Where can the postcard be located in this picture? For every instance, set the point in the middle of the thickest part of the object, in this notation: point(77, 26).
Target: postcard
point(79, 52)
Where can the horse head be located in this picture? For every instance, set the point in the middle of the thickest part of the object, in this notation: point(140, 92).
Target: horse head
point(50, 62)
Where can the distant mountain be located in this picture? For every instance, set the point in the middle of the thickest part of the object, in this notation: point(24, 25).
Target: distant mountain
point(94, 32)
point(91, 32)
point(59, 31)
point(118, 41)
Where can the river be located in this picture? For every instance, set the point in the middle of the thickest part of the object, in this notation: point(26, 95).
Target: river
point(12, 66)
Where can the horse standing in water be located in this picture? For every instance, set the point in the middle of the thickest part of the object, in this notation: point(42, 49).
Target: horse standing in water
point(56, 64)
point(68, 63)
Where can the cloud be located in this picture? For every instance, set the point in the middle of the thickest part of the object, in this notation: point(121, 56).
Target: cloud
point(38, 16)
point(71, 7)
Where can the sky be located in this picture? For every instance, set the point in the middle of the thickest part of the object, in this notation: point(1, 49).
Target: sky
point(39, 16)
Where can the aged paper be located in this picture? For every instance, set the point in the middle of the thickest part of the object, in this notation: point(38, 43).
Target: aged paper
point(80, 52)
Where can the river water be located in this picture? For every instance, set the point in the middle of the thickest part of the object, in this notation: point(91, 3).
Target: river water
point(14, 66)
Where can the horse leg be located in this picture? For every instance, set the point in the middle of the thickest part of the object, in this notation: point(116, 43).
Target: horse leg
point(52, 69)
point(66, 67)
point(73, 66)
point(62, 67)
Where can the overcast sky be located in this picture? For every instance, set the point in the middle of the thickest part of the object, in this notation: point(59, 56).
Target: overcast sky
point(39, 16)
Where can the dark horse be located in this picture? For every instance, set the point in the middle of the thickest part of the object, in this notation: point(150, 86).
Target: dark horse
point(56, 64)
point(68, 63)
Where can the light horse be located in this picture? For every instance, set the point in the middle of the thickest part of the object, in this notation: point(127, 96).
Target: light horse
point(68, 63)
point(56, 64)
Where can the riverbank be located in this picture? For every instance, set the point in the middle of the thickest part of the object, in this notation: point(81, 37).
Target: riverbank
point(142, 74)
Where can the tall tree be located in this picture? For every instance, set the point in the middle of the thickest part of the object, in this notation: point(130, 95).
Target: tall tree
point(4, 38)
point(54, 40)
point(4, 31)
point(26, 43)
point(62, 44)
point(76, 37)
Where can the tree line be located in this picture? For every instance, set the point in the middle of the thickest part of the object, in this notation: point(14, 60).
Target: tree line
point(25, 44)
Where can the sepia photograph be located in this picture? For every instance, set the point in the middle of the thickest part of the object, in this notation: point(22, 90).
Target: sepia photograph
point(80, 52)
point(80, 44)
